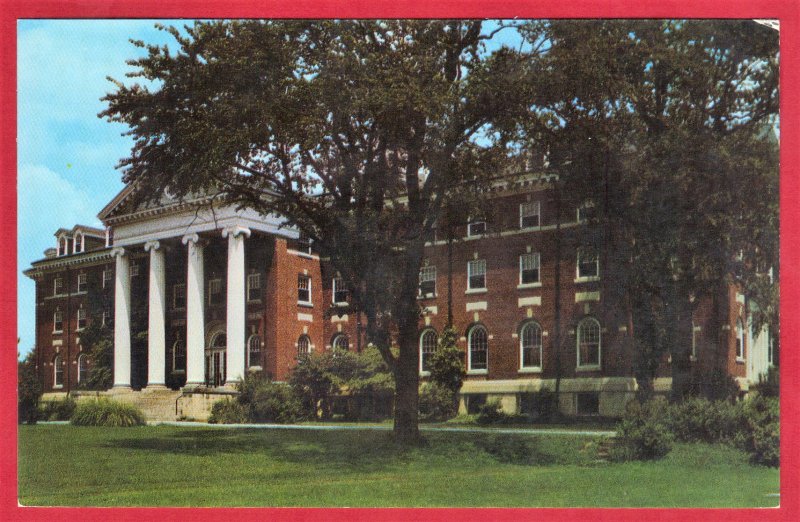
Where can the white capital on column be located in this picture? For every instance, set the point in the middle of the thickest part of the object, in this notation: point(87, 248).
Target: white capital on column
point(122, 320)
point(156, 334)
point(236, 311)
point(195, 323)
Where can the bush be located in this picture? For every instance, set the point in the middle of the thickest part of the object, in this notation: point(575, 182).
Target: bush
point(491, 413)
point(58, 410)
point(228, 412)
point(28, 389)
point(541, 406)
point(643, 433)
point(436, 402)
point(266, 401)
point(769, 386)
point(761, 436)
point(701, 420)
point(446, 364)
point(104, 412)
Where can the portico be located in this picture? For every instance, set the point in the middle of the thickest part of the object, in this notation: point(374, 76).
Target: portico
point(161, 233)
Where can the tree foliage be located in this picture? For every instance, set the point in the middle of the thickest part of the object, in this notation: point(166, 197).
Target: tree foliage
point(29, 390)
point(99, 344)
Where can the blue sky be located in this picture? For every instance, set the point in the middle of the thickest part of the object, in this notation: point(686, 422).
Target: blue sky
point(66, 154)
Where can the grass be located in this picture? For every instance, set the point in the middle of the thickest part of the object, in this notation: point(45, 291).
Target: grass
point(181, 466)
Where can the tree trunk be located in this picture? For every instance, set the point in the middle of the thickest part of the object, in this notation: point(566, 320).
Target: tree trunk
point(406, 375)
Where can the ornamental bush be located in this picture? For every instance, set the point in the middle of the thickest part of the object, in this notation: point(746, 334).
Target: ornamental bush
point(228, 412)
point(643, 433)
point(700, 420)
point(267, 401)
point(58, 410)
point(436, 403)
point(761, 436)
point(105, 412)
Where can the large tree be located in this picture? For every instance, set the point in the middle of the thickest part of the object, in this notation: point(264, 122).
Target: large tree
point(357, 132)
point(667, 126)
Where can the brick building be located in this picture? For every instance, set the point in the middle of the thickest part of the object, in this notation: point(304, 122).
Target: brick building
point(220, 292)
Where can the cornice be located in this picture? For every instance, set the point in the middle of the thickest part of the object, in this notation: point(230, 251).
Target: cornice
point(46, 265)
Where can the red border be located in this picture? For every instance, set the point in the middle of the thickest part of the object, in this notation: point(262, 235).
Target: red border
point(785, 10)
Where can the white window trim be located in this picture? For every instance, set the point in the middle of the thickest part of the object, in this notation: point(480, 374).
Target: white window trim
point(695, 330)
point(538, 214)
point(78, 326)
point(77, 248)
point(85, 283)
point(530, 369)
point(479, 289)
point(81, 357)
point(56, 360)
point(479, 234)
point(333, 293)
point(55, 286)
point(310, 345)
point(425, 373)
point(583, 279)
point(538, 281)
point(427, 295)
point(310, 295)
point(175, 355)
point(589, 367)
point(107, 279)
point(250, 278)
point(336, 338)
point(740, 336)
point(61, 330)
point(479, 371)
point(250, 365)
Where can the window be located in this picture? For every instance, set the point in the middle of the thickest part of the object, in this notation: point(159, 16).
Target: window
point(529, 214)
point(215, 291)
point(133, 270)
point(589, 343)
point(586, 212)
point(179, 356)
point(587, 403)
point(58, 321)
point(476, 228)
point(58, 371)
point(83, 367)
point(529, 268)
point(739, 340)
point(427, 281)
point(82, 282)
point(530, 345)
point(254, 287)
point(81, 318)
point(341, 342)
point(63, 246)
point(179, 296)
point(254, 352)
point(478, 349)
point(77, 243)
point(58, 286)
point(304, 244)
point(588, 263)
point(107, 275)
point(303, 345)
point(340, 294)
point(695, 340)
point(427, 346)
point(303, 289)
point(476, 273)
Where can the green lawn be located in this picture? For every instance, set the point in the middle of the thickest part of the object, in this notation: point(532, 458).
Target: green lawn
point(180, 466)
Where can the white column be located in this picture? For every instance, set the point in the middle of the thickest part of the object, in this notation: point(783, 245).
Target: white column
point(156, 335)
point(195, 323)
point(236, 316)
point(122, 320)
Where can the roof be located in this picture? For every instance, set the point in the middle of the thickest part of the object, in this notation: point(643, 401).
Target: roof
point(83, 229)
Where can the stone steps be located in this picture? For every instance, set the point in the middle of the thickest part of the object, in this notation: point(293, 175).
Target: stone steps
point(605, 447)
point(156, 405)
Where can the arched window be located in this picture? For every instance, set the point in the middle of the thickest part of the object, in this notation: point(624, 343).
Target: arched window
point(83, 367)
point(478, 348)
point(530, 345)
point(220, 340)
point(588, 343)
point(739, 340)
point(427, 346)
point(58, 371)
point(254, 351)
point(179, 356)
point(303, 345)
point(77, 243)
point(341, 342)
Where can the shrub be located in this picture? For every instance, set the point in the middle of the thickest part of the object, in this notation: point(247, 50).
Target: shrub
point(58, 410)
point(446, 364)
point(769, 386)
point(702, 420)
point(29, 390)
point(105, 412)
point(761, 434)
point(541, 406)
point(228, 412)
point(266, 401)
point(491, 413)
point(643, 433)
point(436, 402)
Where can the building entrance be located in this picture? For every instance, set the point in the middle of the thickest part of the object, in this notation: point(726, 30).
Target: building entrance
point(216, 360)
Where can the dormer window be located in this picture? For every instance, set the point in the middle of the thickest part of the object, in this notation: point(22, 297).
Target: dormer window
point(77, 243)
point(63, 246)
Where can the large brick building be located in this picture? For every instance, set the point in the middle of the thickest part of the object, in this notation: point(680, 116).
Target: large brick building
point(221, 291)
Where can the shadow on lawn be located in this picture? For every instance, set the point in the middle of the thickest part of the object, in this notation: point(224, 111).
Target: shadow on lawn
point(360, 449)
